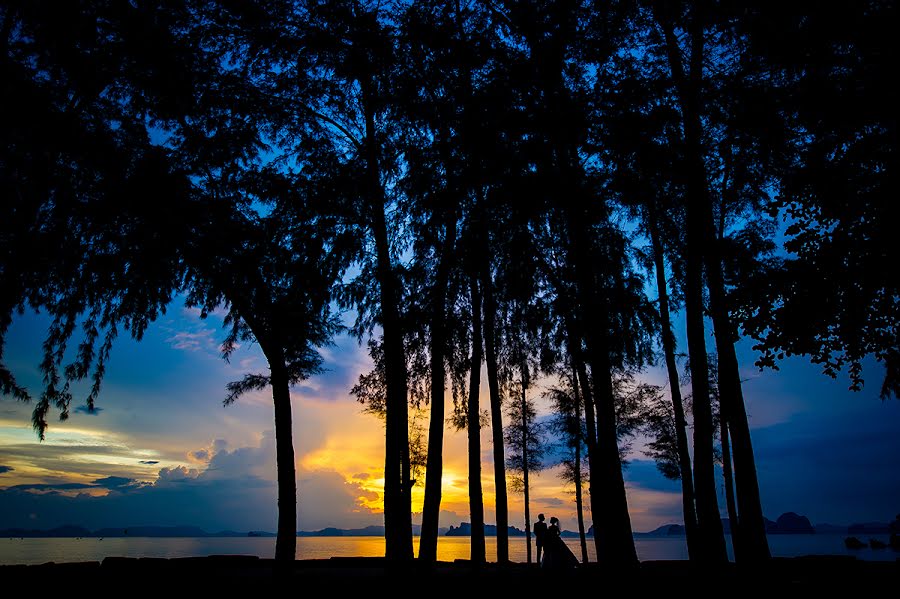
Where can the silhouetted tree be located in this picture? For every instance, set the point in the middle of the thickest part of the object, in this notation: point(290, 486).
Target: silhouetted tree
point(352, 59)
point(525, 448)
point(569, 425)
point(830, 295)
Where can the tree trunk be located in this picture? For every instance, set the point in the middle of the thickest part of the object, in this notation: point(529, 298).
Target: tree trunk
point(668, 343)
point(590, 420)
point(711, 540)
point(733, 521)
point(614, 526)
point(754, 544)
point(397, 483)
point(579, 507)
point(286, 541)
point(501, 504)
point(473, 426)
point(434, 468)
point(525, 471)
point(612, 522)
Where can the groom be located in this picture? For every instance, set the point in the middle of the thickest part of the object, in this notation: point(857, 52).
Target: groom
point(540, 531)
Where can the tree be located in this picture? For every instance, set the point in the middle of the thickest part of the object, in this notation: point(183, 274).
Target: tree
point(352, 61)
point(525, 448)
point(568, 424)
point(830, 294)
point(173, 169)
point(279, 298)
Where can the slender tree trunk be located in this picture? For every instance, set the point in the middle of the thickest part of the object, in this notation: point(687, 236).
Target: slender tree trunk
point(525, 471)
point(397, 483)
point(733, 521)
point(591, 424)
point(473, 425)
point(286, 541)
point(579, 506)
point(668, 343)
point(711, 546)
point(754, 544)
point(501, 506)
point(434, 467)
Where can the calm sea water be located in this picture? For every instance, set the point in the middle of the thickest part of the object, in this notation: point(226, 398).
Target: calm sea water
point(38, 551)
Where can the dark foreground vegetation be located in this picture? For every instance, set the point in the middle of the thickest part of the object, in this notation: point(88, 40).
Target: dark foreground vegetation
point(777, 577)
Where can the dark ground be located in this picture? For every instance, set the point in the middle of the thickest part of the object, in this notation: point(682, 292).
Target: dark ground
point(828, 576)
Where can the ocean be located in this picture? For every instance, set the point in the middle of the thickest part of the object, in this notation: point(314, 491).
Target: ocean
point(38, 551)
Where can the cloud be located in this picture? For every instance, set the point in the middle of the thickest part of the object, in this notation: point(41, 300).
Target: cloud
point(5, 469)
point(206, 454)
point(85, 410)
point(149, 462)
point(342, 365)
point(234, 491)
point(200, 455)
point(204, 339)
point(176, 475)
point(52, 487)
point(551, 501)
point(325, 499)
point(362, 476)
point(115, 482)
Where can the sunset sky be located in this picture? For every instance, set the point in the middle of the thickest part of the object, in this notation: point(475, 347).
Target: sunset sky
point(162, 450)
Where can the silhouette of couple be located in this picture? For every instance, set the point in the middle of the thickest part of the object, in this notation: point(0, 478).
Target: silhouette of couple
point(557, 556)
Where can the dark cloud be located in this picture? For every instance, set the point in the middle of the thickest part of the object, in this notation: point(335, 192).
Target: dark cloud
point(235, 491)
point(64, 455)
point(5, 469)
point(176, 475)
point(85, 410)
point(52, 487)
point(200, 455)
point(149, 462)
point(362, 476)
point(115, 482)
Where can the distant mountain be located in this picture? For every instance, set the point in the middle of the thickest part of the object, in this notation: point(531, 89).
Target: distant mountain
point(570, 534)
point(490, 530)
point(261, 533)
point(152, 531)
point(368, 531)
point(666, 530)
point(791, 523)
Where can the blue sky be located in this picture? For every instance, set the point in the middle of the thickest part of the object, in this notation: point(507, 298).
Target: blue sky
point(162, 450)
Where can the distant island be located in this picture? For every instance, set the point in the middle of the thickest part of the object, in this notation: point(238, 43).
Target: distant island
point(368, 531)
point(787, 523)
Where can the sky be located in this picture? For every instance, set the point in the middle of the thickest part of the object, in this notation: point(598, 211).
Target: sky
point(162, 450)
